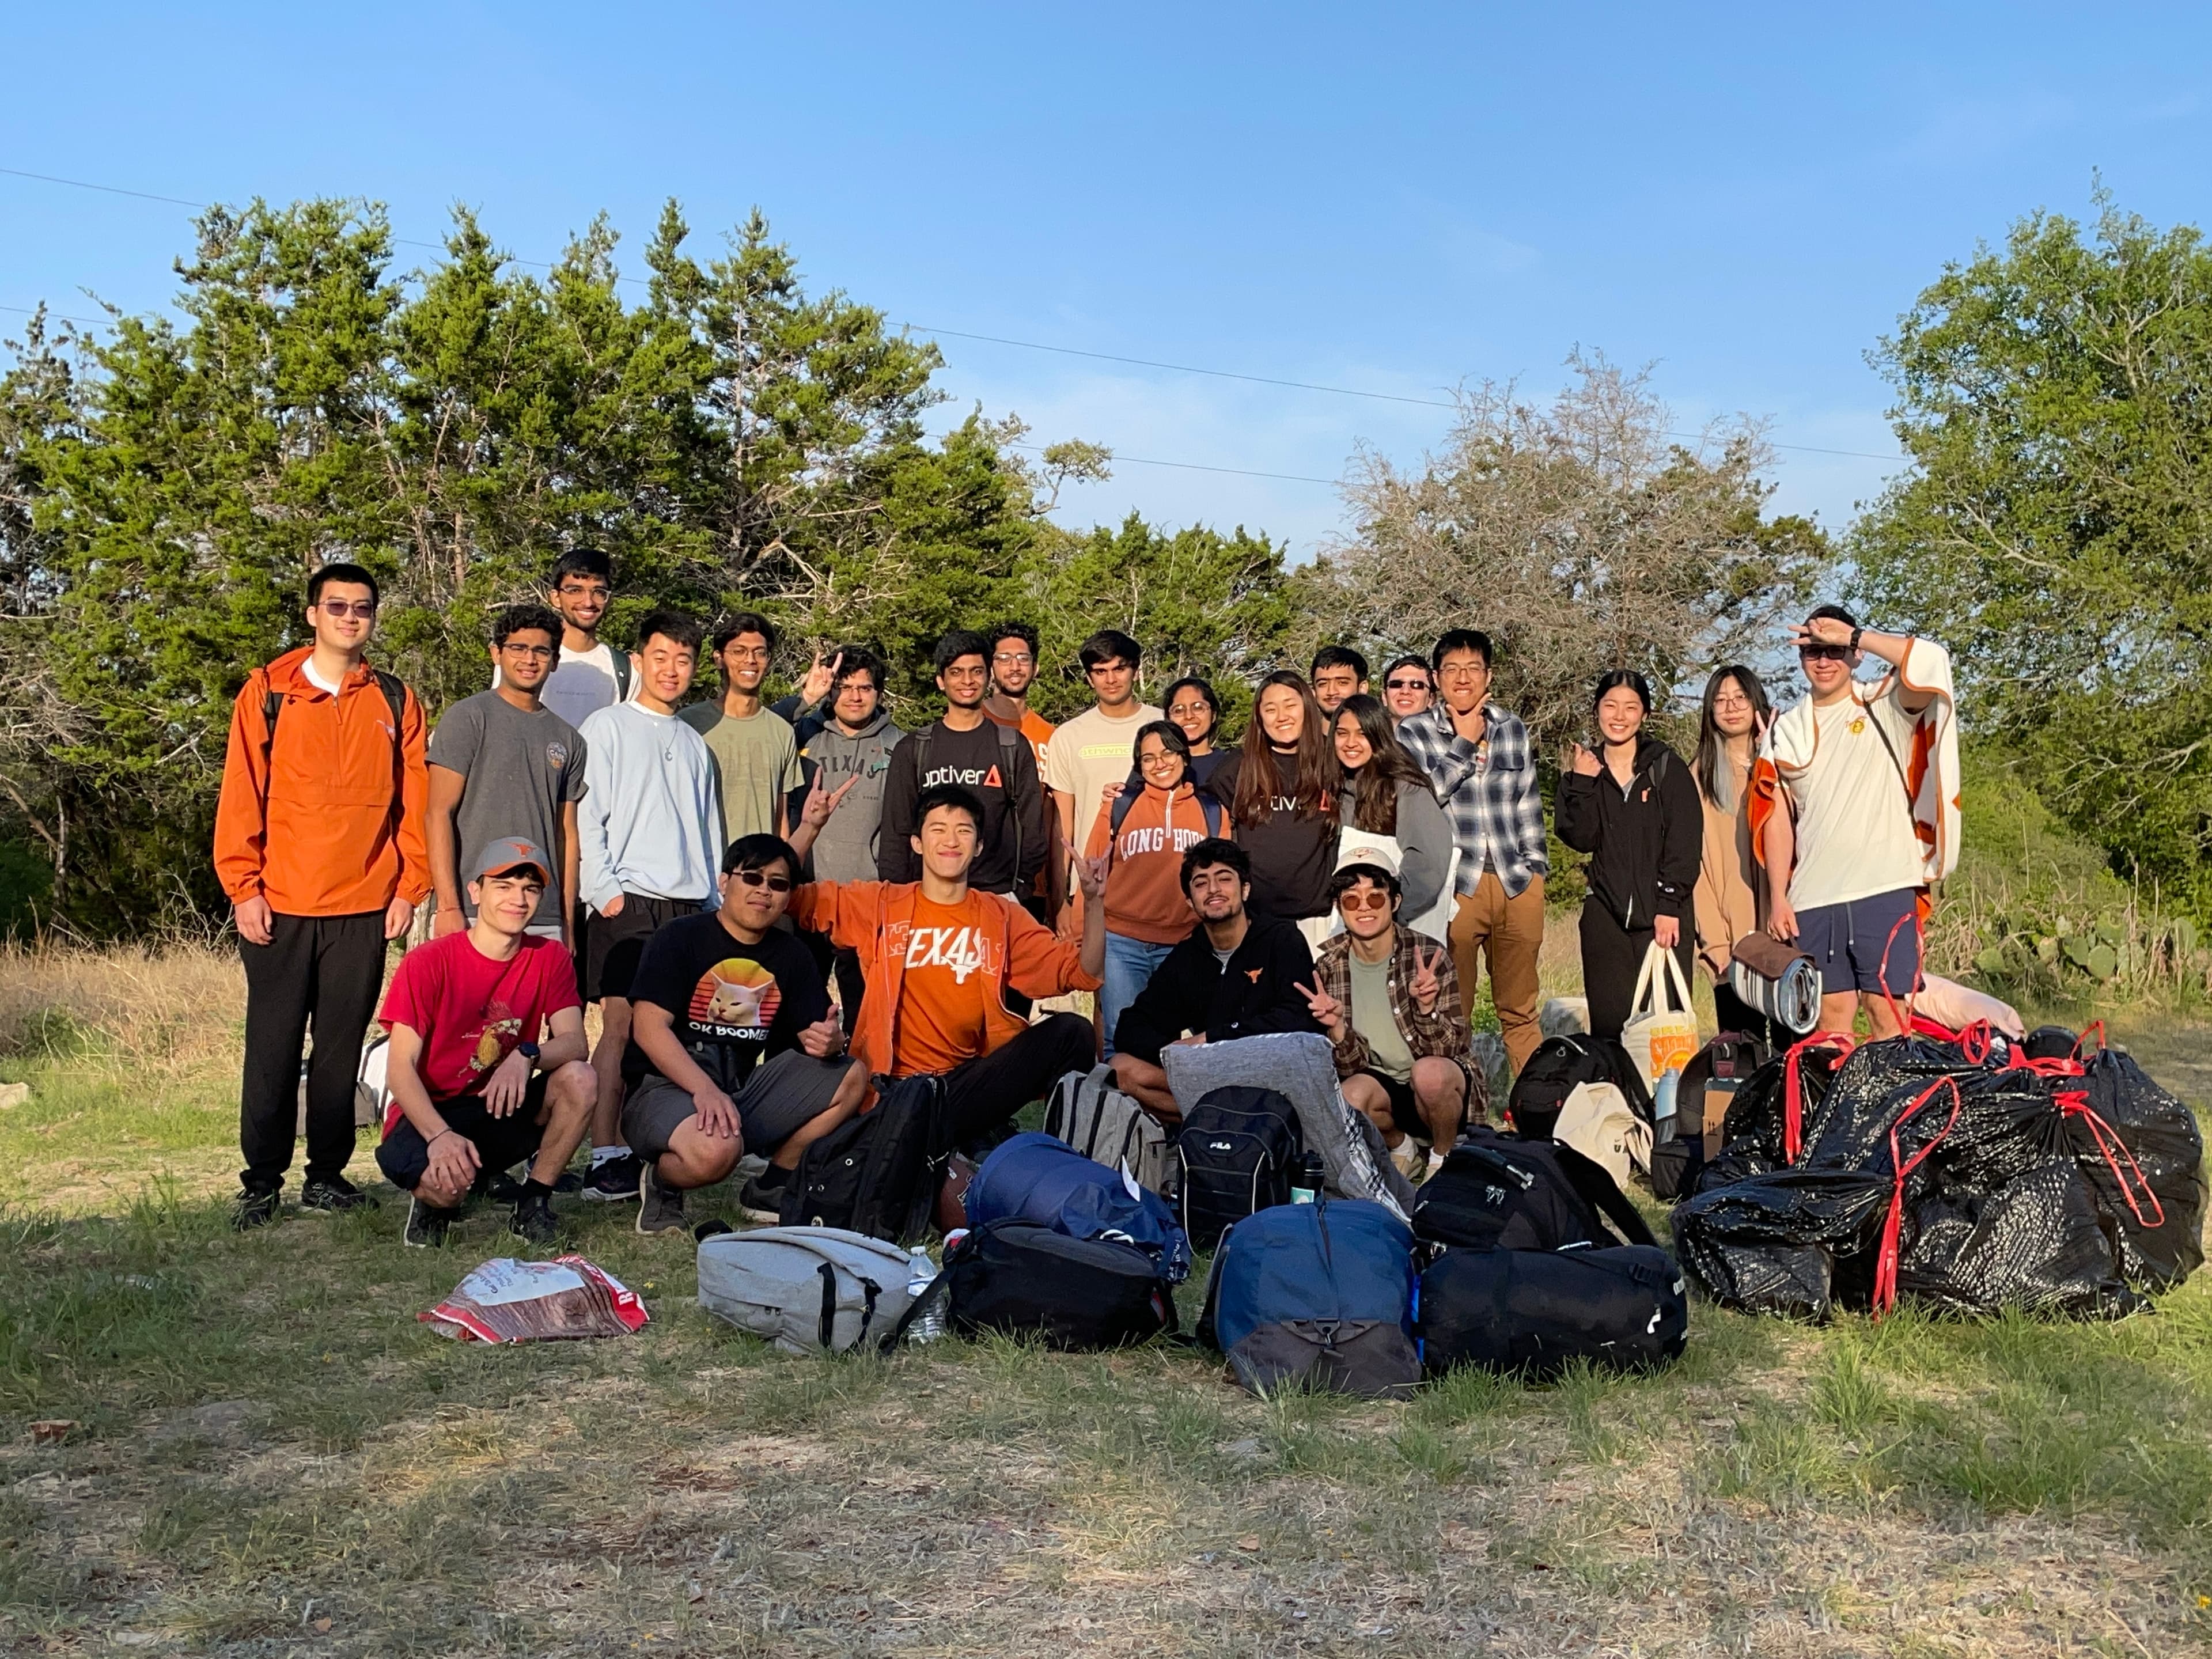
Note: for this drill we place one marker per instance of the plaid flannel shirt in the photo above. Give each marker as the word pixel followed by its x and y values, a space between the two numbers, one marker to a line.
pixel 1443 1034
pixel 1489 792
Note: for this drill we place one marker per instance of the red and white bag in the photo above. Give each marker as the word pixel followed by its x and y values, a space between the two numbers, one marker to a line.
pixel 509 1301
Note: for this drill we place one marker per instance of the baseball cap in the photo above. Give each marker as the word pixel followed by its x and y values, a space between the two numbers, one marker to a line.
pixel 509 852
pixel 1352 848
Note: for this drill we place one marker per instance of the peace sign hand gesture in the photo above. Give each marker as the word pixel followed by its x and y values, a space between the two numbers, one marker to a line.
pixel 816 683
pixel 1328 1012
pixel 1424 987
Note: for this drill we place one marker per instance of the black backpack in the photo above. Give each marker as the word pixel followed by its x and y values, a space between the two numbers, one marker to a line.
pixel 1238 1150
pixel 1025 1279
pixel 1535 1312
pixel 1559 1064
pixel 1495 1193
pixel 878 1173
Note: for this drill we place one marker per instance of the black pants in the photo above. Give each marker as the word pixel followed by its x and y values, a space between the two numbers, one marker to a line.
pixel 1735 1014
pixel 845 962
pixel 323 969
pixel 985 1093
pixel 1611 957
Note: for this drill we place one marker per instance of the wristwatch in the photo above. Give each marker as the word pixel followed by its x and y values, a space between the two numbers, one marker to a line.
pixel 529 1052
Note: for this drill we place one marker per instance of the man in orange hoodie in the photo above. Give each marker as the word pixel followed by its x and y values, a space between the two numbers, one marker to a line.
pixel 938 958
pixel 318 843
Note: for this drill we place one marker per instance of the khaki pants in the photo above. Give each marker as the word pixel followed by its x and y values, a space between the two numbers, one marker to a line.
pixel 1510 932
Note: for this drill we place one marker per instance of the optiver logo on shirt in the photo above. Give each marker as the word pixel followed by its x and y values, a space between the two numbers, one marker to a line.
pixel 975 777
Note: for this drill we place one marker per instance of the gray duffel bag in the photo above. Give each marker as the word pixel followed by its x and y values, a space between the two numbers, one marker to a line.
pixel 808 1290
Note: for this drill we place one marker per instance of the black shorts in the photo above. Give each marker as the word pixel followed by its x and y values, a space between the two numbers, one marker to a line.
pixel 613 944
pixel 500 1142
pixel 1405 1111
pixel 785 1093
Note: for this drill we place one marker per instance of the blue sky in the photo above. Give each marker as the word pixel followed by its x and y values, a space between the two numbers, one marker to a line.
pixel 1392 198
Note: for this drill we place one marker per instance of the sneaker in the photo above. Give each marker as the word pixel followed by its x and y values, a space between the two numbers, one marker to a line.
pixel 257 1207
pixel 335 1195
pixel 762 1199
pixel 660 1209
pixel 426 1224
pixel 1411 1158
pixel 535 1221
pixel 614 1181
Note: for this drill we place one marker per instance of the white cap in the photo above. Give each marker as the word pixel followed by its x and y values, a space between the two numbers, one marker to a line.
pixel 1354 847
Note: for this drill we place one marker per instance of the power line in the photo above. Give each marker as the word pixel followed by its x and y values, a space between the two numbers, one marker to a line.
pixel 998 339
pixel 1116 457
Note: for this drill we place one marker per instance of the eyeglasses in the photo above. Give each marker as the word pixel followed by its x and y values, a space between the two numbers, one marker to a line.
pixel 1187 711
pixel 1351 898
pixel 747 653
pixel 538 653
pixel 761 878
pixel 364 609
pixel 1404 685
pixel 1158 758
pixel 1011 657
pixel 1462 671
pixel 1824 653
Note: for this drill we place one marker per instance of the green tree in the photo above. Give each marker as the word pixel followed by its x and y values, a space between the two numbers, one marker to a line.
pixel 2056 530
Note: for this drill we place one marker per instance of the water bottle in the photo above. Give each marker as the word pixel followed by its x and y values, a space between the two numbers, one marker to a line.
pixel 1663 1097
pixel 1305 1185
pixel 921 1274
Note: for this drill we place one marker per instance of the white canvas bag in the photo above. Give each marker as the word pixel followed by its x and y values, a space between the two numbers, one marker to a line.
pixel 1662 1033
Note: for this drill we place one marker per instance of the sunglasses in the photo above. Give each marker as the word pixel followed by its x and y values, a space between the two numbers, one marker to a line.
pixel 1824 653
pixel 364 609
pixel 1351 898
pixel 1404 685
pixel 761 878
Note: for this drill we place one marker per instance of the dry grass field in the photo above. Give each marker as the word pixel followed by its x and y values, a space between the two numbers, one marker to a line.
pixel 268 1454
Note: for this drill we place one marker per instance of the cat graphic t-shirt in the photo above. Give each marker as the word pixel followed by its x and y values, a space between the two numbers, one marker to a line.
pixel 732 1003
pixel 471 1011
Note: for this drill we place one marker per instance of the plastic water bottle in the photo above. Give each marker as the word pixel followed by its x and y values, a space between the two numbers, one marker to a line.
pixel 921 1274
pixel 1662 1096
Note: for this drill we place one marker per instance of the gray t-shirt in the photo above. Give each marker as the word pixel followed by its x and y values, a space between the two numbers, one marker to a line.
pixel 517 769
pixel 758 761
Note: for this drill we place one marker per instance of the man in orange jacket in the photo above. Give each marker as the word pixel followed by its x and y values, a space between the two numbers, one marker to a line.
pixel 318 843
pixel 938 958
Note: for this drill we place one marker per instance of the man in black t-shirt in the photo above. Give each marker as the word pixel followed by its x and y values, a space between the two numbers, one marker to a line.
pixel 733 1045
pixel 993 762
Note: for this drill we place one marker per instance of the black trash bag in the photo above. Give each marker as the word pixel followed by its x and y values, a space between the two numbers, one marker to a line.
pixel 1771 1243
pixel 2035 1241
pixel 2158 1231
pixel 1847 1126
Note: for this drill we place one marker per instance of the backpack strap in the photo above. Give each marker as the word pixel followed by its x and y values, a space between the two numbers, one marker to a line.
pixel 1598 1190
pixel 1009 739
pixel 621 661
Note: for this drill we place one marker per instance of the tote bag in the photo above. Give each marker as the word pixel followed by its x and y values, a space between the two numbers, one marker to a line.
pixel 1662 1033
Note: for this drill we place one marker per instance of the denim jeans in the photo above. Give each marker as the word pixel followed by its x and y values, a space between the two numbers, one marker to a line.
pixel 1130 964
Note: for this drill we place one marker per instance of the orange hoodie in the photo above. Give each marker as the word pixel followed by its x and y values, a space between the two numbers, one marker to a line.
pixel 317 832
pixel 876 918
pixel 1144 898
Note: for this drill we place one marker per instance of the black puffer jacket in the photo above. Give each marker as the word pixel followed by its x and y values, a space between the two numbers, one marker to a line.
pixel 1645 841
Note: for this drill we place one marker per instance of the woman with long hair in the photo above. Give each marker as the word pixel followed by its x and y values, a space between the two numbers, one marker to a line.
pixel 1195 708
pixel 1161 817
pixel 1279 786
pixel 1731 722
pixel 1382 791
pixel 1632 806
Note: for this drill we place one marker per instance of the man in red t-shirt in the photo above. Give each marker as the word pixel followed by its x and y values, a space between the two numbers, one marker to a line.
pixel 475 1087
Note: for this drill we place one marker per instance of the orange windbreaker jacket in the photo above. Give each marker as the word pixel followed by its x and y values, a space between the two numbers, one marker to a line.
pixel 876 918
pixel 316 829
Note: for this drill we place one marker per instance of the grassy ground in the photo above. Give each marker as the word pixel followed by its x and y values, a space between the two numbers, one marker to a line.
pixel 270 1453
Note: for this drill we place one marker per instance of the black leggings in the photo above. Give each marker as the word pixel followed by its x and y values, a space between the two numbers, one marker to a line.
pixel 1611 957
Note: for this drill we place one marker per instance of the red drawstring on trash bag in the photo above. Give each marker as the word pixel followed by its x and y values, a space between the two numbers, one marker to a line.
pixel 1793 1085
pixel 1885 1269
pixel 2074 1103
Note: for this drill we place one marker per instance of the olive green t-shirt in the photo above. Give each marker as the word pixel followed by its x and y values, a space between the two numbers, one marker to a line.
pixel 756 760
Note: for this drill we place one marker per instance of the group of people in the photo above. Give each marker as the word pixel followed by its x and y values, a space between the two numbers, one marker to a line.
pixel 776 908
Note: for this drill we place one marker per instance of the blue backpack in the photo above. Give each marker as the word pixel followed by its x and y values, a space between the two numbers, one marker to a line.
pixel 1318 1296
pixel 1038 1178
